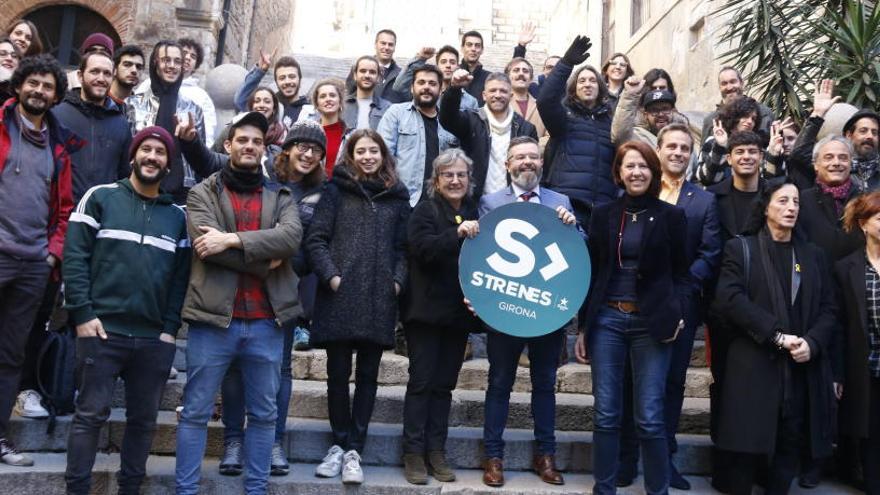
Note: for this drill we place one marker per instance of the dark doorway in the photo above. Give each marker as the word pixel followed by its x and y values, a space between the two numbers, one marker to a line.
pixel 63 28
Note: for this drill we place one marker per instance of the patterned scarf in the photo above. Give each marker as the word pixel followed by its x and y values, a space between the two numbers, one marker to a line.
pixel 838 193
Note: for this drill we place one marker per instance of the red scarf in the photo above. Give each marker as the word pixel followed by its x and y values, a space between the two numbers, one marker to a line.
pixel 838 193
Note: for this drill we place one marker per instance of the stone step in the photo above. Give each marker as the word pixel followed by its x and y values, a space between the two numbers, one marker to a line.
pixel 46 477
pixel 574 412
pixel 307 440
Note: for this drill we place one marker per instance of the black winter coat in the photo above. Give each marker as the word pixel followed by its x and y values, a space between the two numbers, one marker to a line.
pixel 434 295
pixel 820 224
pixel 472 130
pixel 849 274
pixel 580 162
pixel 752 388
pixel 358 232
pixel 104 158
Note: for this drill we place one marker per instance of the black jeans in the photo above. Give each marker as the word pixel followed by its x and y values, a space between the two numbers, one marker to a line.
pixel 435 357
pixel 22 283
pixel 349 418
pixel 144 365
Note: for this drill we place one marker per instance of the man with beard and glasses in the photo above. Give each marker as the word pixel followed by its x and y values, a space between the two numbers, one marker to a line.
pixel 126 268
pixel 364 106
pixel 128 64
pixel 157 101
pixel 485 134
pixel 9 60
pixel 861 130
pixel 521 73
pixel 446 59
pixel 287 75
pixel 524 165
pixel 241 298
pixel 35 203
pixel 641 115
pixel 413 134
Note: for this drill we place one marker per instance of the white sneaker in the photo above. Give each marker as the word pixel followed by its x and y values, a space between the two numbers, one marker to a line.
pixel 331 466
pixel 352 474
pixel 28 405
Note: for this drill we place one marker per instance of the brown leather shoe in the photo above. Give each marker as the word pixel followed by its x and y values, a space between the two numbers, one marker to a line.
pixel 545 466
pixel 493 472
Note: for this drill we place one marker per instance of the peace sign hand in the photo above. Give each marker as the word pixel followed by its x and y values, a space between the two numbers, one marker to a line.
pixel 186 131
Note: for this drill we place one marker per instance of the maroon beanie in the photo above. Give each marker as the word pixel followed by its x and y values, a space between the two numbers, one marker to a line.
pixel 154 132
pixel 97 39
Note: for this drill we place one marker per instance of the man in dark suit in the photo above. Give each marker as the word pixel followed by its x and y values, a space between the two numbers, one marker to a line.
pixel 703 249
pixel 524 166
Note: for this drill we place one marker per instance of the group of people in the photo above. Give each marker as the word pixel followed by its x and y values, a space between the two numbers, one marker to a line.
pixel 330 218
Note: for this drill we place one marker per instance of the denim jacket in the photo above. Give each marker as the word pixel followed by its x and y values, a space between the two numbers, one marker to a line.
pixel 403 130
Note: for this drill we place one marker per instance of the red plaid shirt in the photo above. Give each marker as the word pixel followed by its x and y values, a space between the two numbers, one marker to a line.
pixel 251 302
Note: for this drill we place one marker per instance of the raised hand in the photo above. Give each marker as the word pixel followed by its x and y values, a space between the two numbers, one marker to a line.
pixel 633 85
pixel 578 52
pixel 426 53
pixel 719 133
pixel 461 78
pixel 823 98
pixel 266 60
pixel 186 131
pixel 527 34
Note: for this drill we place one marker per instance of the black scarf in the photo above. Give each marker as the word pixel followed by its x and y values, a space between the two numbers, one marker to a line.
pixel 239 180
pixel 166 92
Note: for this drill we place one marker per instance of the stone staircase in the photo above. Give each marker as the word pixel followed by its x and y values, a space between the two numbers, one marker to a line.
pixel 308 436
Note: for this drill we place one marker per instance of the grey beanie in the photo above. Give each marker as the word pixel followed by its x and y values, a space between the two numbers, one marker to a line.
pixel 306 131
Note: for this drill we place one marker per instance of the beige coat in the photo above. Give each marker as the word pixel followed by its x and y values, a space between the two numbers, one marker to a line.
pixel 534 117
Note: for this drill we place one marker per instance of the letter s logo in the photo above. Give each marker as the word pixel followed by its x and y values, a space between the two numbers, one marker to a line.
pixel 525 257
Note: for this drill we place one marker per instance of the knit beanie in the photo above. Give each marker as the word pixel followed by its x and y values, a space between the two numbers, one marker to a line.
pixel 306 131
pixel 154 132
pixel 97 39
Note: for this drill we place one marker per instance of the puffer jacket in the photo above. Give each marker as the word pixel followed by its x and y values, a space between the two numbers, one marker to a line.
pixel 104 158
pixel 358 233
pixel 580 165
pixel 213 283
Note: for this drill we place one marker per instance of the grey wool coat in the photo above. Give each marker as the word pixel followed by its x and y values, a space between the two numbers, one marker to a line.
pixel 358 232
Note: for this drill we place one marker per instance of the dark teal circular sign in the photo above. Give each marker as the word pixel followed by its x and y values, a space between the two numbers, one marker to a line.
pixel 526 273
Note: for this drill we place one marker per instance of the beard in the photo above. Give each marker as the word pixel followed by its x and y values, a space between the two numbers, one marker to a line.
pixel 527 180
pixel 94 94
pixel 34 109
pixel 426 103
pixel 145 179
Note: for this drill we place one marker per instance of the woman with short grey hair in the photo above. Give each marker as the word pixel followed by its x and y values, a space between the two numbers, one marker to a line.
pixel 436 321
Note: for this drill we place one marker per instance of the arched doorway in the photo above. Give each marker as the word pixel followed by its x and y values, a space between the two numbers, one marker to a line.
pixel 63 28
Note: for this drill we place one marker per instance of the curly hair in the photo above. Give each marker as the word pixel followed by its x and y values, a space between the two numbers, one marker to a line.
pixel 41 64
pixel 284 170
pixel 386 173
pixel 196 47
pixel 731 113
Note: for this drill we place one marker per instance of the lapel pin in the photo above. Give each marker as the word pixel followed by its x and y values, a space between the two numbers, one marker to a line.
pixel 651 219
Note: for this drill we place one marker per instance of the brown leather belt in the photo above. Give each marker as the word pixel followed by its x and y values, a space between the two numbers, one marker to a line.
pixel 624 306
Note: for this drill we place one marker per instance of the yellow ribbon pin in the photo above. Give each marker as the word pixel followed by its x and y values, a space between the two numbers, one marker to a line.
pixel 458 219
pixel 797 267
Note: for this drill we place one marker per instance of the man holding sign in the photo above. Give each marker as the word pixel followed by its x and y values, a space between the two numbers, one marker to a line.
pixel 524 166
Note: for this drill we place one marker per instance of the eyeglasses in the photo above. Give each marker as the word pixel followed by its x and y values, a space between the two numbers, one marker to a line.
pixel 171 61
pixel 453 175
pixel 659 111
pixel 306 147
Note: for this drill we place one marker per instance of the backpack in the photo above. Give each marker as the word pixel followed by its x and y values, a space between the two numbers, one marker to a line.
pixel 56 373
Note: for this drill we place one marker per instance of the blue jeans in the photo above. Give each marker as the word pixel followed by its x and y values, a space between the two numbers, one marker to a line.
pixel 256 345
pixel 233 397
pixel 504 351
pixel 616 336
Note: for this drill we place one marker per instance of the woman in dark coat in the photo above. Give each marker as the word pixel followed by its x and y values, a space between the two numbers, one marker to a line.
pixel 859 295
pixel 435 319
pixel 775 292
pixel 638 294
pixel 356 246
